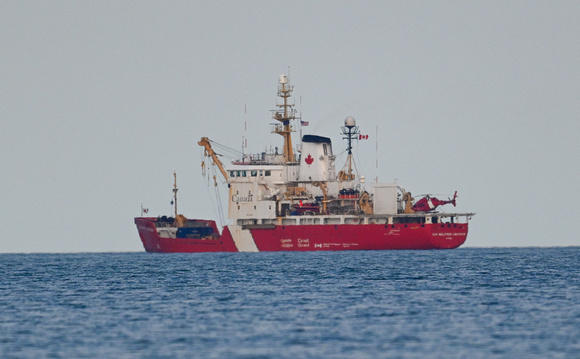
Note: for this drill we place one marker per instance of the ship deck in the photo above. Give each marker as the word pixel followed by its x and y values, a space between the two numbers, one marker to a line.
pixel 359 219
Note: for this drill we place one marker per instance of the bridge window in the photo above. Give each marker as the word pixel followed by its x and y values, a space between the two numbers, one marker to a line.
pixel 254 173
pixel 232 173
pixel 268 173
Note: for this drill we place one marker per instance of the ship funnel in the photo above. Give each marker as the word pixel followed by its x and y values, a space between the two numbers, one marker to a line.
pixel 349 122
pixel 316 159
pixel 283 79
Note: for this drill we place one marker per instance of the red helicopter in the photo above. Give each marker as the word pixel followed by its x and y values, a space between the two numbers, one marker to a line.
pixel 428 204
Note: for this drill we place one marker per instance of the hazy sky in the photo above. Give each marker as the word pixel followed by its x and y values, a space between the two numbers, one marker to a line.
pixel 102 100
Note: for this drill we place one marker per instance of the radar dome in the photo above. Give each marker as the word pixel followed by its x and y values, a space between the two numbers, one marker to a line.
pixel 349 122
pixel 283 79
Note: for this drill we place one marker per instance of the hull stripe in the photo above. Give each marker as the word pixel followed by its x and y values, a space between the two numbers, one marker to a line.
pixel 243 239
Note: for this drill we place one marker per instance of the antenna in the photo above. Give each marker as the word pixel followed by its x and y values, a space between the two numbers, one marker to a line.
pixel 377 154
pixel 300 119
pixel 244 137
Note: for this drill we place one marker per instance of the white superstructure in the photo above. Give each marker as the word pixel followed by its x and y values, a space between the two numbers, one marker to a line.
pixel 304 187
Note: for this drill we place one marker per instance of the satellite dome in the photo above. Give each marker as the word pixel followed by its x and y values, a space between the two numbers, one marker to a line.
pixel 349 122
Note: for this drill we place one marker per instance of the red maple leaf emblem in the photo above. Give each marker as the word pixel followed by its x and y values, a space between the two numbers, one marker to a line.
pixel 309 160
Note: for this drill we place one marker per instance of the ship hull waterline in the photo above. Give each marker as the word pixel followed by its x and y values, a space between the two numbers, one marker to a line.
pixel 316 237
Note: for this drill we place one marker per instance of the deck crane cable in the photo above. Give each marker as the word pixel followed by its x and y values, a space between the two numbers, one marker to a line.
pixel 216 196
pixel 217 192
pixel 227 152
pixel 209 151
pixel 216 205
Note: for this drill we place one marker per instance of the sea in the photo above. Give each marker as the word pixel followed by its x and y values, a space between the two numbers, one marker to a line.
pixel 461 303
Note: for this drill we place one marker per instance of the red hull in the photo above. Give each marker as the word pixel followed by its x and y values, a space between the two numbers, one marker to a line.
pixel 314 238
pixel 152 242
pixel 360 237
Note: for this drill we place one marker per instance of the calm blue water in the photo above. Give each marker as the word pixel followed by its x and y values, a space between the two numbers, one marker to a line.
pixel 464 303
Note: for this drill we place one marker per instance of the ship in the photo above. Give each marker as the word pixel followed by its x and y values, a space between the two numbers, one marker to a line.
pixel 297 199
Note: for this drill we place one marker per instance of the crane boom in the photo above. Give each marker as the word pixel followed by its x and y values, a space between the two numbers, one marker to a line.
pixel 209 152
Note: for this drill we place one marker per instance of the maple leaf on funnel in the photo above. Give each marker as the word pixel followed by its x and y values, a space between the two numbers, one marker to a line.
pixel 309 160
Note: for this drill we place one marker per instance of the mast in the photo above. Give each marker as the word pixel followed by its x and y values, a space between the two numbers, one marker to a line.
pixel 175 193
pixel 284 115
pixel 350 131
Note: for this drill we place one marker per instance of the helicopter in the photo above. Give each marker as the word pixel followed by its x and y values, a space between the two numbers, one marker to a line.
pixel 428 204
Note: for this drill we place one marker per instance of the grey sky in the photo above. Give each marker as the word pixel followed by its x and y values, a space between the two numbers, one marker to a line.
pixel 101 100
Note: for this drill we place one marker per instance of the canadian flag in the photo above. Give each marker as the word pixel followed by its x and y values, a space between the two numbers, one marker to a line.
pixel 363 137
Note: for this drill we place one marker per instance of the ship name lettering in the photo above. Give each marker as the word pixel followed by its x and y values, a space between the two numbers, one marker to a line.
pixel 237 198
pixel 450 234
